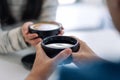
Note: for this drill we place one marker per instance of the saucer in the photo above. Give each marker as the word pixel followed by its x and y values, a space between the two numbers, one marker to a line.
pixel 28 61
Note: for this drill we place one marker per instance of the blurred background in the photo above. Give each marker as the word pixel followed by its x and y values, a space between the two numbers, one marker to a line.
pixel 90 21
pixel 82 14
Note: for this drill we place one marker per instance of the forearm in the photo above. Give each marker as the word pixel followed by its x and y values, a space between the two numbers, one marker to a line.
pixel 41 73
pixel 114 8
pixel 34 77
pixel 11 41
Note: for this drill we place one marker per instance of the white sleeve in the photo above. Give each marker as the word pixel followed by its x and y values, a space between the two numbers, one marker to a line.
pixel 49 10
pixel 11 41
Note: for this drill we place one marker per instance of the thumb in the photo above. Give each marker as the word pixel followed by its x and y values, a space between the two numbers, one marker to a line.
pixel 26 25
pixel 62 56
pixel 40 51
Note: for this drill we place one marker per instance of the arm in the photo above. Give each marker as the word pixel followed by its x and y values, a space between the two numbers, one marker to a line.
pixel 17 39
pixel 11 41
pixel 114 8
pixel 44 66
pixel 49 10
pixel 85 54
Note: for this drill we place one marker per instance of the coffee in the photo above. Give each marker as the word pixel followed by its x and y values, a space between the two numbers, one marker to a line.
pixel 53 45
pixel 59 45
pixel 44 27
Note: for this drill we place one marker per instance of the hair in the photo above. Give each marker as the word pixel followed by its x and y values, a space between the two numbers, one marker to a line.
pixel 32 11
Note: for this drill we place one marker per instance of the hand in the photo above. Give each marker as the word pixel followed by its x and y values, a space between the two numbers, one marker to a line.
pixel 32 38
pixel 28 37
pixel 84 54
pixel 44 66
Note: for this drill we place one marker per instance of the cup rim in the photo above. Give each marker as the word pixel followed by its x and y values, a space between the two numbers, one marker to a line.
pixel 74 45
pixel 46 22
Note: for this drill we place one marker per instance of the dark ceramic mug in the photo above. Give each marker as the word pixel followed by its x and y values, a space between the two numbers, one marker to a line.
pixel 46 29
pixel 54 44
pixel 43 29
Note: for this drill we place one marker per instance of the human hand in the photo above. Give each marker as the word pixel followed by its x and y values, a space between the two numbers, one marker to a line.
pixel 44 66
pixel 33 39
pixel 85 54
pixel 28 37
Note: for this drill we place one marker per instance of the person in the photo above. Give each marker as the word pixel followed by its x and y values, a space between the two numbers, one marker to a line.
pixel 91 66
pixel 49 64
pixel 15 13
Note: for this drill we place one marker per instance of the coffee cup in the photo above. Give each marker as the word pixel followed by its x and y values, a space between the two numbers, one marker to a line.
pixel 54 44
pixel 45 29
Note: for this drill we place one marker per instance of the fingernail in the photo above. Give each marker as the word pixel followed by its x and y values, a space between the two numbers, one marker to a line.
pixel 67 54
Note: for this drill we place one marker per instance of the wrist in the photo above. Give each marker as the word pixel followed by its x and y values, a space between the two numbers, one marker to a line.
pixel 35 76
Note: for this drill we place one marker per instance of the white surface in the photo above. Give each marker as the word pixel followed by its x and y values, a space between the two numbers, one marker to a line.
pixel 11 67
pixel 80 16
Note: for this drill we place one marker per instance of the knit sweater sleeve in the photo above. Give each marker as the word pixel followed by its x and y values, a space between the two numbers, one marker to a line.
pixel 11 41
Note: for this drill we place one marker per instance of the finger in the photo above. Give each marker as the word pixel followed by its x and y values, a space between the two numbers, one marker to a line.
pixel 62 56
pixel 25 26
pixel 62 28
pixel 61 33
pixel 31 36
pixel 39 53
pixel 75 54
pixel 34 42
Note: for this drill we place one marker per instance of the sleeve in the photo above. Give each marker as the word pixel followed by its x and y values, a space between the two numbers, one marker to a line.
pixel 49 10
pixel 11 41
